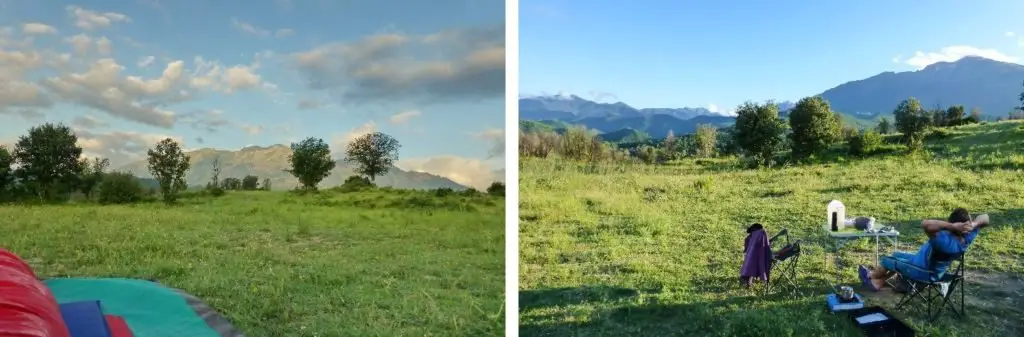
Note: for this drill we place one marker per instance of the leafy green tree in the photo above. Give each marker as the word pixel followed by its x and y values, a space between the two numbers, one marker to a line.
pixel 47 160
pixel 497 189
pixel 758 130
pixel 266 184
pixel 231 184
pixel 374 154
pixel 955 115
pixel 884 126
pixel 119 188
pixel 865 143
pixel 311 162
pixel 168 164
pixel 975 116
pixel 814 127
pixel 705 140
pixel 250 182
pixel 912 121
pixel 1021 99
pixel 6 172
pixel 92 173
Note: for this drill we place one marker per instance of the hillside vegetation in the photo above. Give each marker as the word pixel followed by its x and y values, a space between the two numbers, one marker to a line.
pixel 348 260
pixel 656 250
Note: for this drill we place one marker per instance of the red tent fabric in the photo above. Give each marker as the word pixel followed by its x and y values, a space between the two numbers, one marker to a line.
pixel 27 308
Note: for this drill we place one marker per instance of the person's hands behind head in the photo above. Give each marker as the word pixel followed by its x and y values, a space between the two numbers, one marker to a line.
pixel 966 227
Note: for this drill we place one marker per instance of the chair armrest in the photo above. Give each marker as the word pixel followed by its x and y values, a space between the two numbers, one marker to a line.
pixel 930 273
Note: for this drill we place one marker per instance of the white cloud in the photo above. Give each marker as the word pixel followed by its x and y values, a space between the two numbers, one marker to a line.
pixel 1009 34
pixel 215 76
pixel 713 108
pixel 252 129
pixel 249 28
pixel 470 172
pixel 120 147
pixel 89 20
pixel 467 64
pixel 146 61
pixel 497 139
pixel 252 29
pixel 403 117
pixel 284 32
pixel 953 53
pixel 35 28
pixel 340 142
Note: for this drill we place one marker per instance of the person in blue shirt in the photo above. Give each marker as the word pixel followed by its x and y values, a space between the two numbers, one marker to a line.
pixel 946 239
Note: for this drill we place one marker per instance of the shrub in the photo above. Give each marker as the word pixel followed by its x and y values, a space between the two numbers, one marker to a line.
pixel 865 143
pixel 497 189
pixel 119 188
pixel 443 192
pixel 356 183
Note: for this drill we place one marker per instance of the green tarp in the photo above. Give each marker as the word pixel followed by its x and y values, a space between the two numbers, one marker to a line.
pixel 149 308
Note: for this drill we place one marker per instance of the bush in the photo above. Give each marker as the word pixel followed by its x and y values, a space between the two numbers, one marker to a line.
pixel 119 188
pixel 702 184
pixel 356 183
pixel 497 189
pixel 865 143
pixel 443 192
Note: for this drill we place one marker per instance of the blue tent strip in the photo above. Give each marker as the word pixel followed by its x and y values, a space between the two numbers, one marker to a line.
pixel 150 309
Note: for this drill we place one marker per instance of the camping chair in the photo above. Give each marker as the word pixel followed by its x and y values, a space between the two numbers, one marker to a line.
pixel 928 290
pixel 784 260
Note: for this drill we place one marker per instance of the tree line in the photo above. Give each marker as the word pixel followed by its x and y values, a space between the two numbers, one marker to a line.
pixel 47 165
pixel 758 134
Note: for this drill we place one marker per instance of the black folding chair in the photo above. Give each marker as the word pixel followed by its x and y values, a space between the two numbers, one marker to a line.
pixel 927 292
pixel 784 261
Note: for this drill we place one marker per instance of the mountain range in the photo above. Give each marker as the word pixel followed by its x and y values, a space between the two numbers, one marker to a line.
pixel 272 161
pixel 992 86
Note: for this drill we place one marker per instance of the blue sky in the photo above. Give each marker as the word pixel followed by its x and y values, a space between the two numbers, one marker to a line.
pixel 670 54
pixel 228 74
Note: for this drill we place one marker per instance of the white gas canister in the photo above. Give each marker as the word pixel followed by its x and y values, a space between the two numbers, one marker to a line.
pixel 836 215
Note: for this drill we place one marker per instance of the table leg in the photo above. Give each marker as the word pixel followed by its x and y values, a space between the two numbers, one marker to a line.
pixel 876 250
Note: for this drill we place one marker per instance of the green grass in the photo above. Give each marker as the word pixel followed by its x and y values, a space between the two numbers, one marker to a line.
pixel 369 263
pixel 631 250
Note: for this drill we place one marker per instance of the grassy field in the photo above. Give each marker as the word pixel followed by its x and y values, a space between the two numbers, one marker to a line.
pixel 370 263
pixel 624 250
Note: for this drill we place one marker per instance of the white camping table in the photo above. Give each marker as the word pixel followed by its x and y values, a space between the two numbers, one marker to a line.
pixel 841 238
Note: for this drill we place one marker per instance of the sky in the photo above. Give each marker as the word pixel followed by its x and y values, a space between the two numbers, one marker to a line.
pixel 229 74
pixel 718 54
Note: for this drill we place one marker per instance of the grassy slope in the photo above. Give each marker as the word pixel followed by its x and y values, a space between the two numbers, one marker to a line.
pixel 651 254
pixel 376 263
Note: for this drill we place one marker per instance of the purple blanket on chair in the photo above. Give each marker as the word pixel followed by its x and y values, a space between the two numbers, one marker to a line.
pixel 758 258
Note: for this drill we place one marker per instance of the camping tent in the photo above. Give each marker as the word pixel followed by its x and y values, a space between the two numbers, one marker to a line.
pixel 53 307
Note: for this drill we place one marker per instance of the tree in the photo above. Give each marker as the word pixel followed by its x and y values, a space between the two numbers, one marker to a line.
pixel 911 120
pixel 92 173
pixel 814 127
pixel 6 171
pixel 266 184
pixel 884 126
pixel 231 184
pixel 374 153
pixel 168 164
pixel 250 182
pixel 311 162
pixel 955 115
pixel 47 160
pixel 705 140
pixel 1021 99
pixel 669 143
pixel 975 116
pixel 758 130
pixel 497 189
pixel 119 188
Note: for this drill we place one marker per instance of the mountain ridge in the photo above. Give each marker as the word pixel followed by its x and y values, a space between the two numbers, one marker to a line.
pixel 272 161
pixel 973 81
